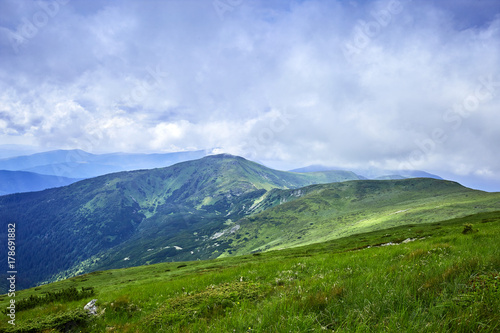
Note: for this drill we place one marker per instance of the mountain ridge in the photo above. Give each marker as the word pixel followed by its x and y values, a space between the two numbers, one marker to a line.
pixel 373 173
pixel 73 223
pixel 77 163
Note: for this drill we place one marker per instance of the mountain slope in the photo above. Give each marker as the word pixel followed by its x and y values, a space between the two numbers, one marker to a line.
pixel 22 181
pixel 296 217
pixel 59 228
pixel 323 212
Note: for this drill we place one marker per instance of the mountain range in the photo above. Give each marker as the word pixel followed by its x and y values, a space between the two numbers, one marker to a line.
pixel 23 181
pixel 373 173
pixel 71 224
pixel 219 205
pixel 80 164
pixel 56 168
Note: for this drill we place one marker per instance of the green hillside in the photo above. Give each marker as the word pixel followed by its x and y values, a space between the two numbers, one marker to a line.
pixel 88 221
pixel 323 212
pixel 303 216
pixel 437 277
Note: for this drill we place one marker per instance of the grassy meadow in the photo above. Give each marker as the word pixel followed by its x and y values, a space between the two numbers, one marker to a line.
pixel 437 277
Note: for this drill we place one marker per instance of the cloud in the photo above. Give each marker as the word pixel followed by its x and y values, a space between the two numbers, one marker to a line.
pixel 387 83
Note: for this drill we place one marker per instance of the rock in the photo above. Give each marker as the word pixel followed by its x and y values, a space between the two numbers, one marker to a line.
pixel 91 308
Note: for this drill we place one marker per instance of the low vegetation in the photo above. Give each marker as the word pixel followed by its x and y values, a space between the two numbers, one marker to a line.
pixel 416 278
pixel 64 295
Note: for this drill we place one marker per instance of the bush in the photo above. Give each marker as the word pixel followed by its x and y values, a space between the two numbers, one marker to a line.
pixel 68 294
pixel 64 322
pixel 467 229
pixel 211 302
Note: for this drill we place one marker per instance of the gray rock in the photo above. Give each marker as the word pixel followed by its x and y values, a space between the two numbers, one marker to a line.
pixel 91 308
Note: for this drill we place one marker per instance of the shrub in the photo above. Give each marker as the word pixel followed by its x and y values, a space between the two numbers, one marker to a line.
pixel 211 302
pixel 65 322
pixel 68 294
pixel 467 229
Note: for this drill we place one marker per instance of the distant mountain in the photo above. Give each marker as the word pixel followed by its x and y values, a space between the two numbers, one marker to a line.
pixel 391 174
pixel 374 173
pixel 80 164
pixel 391 177
pixel 415 174
pixel 129 212
pixel 22 181
pixel 12 150
pixel 313 168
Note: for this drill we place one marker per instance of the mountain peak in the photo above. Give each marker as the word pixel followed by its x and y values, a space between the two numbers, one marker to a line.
pixel 223 155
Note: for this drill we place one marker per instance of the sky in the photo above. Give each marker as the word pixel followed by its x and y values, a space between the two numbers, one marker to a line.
pixel 391 84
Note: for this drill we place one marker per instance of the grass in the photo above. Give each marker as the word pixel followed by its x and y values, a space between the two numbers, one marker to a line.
pixel 415 278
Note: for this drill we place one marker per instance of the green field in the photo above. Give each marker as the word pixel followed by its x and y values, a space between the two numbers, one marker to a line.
pixel 427 277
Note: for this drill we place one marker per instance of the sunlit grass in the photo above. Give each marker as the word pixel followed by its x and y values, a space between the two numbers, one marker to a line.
pixel 439 280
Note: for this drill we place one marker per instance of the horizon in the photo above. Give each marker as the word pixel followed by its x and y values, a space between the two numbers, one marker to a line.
pixel 217 151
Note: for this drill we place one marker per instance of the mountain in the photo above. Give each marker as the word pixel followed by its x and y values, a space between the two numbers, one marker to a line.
pixel 313 168
pixel 62 227
pixel 374 173
pixel 413 174
pixel 80 164
pixel 46 158
pixel 22 181
pixel 220 205
pixel 388 177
